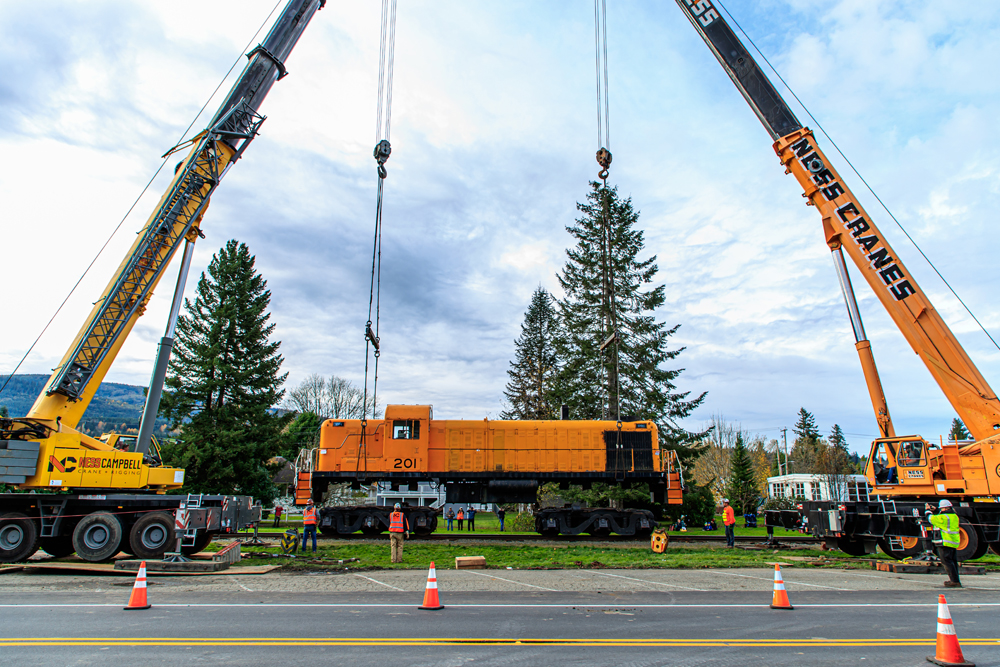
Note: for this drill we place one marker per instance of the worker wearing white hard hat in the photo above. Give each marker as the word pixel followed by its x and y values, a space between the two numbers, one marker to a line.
pixel 946 538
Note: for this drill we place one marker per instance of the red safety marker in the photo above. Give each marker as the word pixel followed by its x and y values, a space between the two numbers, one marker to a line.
pixel 948 651
pixel 780 598
pixel 431 592
pixel 138 598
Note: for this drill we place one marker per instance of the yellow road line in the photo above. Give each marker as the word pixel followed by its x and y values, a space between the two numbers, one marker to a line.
pixel 486 641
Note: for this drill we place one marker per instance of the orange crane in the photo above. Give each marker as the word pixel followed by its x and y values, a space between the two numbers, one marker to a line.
pixel 905 471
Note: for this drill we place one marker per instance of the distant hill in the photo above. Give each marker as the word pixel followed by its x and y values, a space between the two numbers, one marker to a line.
pixel 115 407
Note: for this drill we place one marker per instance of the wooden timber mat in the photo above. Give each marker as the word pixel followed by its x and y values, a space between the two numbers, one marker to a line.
pixel 109 568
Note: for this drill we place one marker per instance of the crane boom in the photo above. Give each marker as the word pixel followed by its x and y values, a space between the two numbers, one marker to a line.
pixel 848 228
pixel 75 381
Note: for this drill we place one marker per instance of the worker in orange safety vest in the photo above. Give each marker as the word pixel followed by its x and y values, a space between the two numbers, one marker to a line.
pixel 398 528
pixel 309 524
pixel 729 518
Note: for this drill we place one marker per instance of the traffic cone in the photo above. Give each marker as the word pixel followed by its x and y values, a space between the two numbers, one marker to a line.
pixel 138 598
pixel 431 592
pixel 780 599
pixel 948 651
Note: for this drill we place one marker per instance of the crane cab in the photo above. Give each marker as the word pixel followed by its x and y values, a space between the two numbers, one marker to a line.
pixel 912 466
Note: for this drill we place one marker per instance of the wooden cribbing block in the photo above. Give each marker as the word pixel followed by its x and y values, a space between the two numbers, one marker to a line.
pixel 470 562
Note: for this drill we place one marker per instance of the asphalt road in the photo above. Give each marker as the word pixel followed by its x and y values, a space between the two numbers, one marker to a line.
pixel 638 618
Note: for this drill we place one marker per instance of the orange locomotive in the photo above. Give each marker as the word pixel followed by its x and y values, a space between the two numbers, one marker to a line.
pixel 488 462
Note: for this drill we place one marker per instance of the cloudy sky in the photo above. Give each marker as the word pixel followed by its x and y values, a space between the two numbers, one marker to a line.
pixel 493 135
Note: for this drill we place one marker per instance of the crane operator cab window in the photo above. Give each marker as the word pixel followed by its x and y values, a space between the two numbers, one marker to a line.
pixel 911 454
pixel 884 463
pixel 406 429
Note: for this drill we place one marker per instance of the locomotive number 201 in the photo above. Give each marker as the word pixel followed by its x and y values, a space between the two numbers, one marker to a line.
pixel 405 463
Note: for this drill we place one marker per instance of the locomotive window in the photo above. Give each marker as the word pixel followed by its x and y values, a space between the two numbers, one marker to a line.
pixel 406 429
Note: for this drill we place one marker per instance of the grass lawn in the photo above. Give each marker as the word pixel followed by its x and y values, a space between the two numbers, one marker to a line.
pixel 373 554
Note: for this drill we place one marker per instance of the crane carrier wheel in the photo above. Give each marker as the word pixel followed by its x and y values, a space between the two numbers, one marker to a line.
pixel 98 537
pixel 152 535
pixel 18 537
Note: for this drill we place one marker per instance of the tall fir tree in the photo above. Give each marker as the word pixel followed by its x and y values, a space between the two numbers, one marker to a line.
pixel 958 430
pixel 608 287
pixel 225 377
pixel 741 487
pixel 532 373
pixel 837 438
pixel 805 426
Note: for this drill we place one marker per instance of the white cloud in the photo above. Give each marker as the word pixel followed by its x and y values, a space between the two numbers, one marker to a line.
pixel 493 143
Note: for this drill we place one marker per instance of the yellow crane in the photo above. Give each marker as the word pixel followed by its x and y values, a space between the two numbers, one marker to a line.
pixel 89 514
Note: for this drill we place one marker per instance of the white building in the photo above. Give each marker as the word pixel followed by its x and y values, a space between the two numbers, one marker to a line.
pixel 817 487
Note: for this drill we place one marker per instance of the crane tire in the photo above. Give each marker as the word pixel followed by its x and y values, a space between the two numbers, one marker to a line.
pixel 151 535
pixel 199 545
pixel 98 537
pixel 851 547
pixel 18 537
pixel 57 547
pixel 969 541
pixel 911 547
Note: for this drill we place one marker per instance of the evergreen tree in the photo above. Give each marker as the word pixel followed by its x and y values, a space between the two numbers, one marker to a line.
pixel 607 288
pixel 4 413
pixel 225 377
pixel 533 370
pixel 302 433
pixel 741 487
pixel 837 438
pixel 805 426
pixel 958 430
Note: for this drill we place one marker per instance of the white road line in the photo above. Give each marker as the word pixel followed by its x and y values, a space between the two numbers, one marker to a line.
pixel 573 605
pixel 646 581
pixel 511 581
pixel 376 581
pixel 794 583
pixel 919 581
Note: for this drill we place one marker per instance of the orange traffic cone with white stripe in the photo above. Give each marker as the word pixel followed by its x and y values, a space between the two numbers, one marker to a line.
pixel 138 598
pixel 431 592
pixel 780 599
pixel 948 651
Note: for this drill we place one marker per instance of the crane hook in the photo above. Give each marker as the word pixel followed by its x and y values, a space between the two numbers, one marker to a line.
pixel 604 159
pixel 382 151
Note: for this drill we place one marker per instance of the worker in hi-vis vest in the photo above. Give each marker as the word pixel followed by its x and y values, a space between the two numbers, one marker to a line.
pixel 398 528
pixel 309 524
pixel 946 538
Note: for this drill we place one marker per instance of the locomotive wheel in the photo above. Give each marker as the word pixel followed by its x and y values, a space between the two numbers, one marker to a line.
pixel 97 537
pixel 18 537
pixel 152 535
pixel 57 547
pixel 995 548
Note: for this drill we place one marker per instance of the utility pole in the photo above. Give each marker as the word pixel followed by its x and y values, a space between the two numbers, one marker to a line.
pixel 784 436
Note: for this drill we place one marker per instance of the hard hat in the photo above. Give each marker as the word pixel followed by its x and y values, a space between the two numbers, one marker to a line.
pixel 396 506
pixel 309 502
pixel 944 503
pixel 725 500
